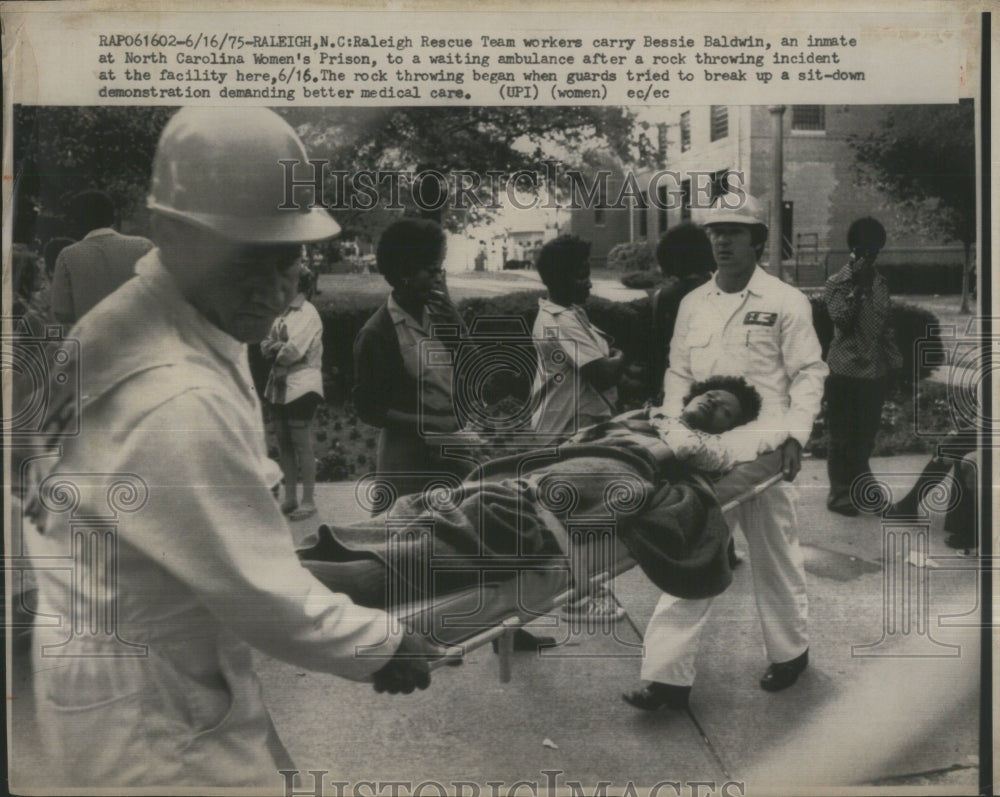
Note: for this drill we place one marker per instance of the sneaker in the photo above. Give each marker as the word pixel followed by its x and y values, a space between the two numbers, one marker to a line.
pixel 303 512
pixel 601 606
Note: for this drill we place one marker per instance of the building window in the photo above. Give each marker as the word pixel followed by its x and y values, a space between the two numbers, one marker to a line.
pixel 644 215
pixel 719 122
pixel 685 200
pixel 661 209
pixel 808 117
pixel 685 131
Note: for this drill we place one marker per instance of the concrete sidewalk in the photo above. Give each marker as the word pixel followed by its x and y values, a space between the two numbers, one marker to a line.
pixel 883 682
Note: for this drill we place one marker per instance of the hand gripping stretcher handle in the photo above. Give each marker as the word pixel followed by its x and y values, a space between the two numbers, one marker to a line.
pixel 504 630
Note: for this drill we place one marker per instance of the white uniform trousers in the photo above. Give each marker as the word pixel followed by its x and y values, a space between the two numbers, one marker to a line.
pixel 779 581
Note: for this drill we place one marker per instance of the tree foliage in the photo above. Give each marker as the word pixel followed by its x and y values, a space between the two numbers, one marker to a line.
pixel 61 150
pixel 502 140
pixel 926 156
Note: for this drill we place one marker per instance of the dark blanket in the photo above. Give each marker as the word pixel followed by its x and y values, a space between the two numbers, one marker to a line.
pixel 529 512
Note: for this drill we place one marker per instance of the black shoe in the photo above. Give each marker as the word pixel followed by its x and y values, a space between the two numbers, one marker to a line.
pixel 960 542
pixel 657 695
pixel 843 507
pixel 784 674
pixel 523 641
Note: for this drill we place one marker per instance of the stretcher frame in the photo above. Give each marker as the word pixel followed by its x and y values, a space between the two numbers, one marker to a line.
pixel 505 628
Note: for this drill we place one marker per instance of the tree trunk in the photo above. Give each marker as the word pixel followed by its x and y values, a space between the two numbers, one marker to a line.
pixel 966 273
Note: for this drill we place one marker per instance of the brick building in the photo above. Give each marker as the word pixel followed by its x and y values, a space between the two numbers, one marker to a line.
pixel 708 146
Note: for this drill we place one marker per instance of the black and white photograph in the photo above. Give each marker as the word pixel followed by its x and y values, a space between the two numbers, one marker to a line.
pixel 432 403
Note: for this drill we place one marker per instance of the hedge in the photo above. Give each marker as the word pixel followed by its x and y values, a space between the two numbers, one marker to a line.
pixel 643 280
pixel 941 278
pixel 631 257
pixel 628 324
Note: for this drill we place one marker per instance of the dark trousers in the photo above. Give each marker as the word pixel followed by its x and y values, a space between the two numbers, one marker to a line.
pixel 853 412
pixel 960 518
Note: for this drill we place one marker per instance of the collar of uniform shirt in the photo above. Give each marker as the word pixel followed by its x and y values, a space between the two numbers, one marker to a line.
pixel 161 281
pixel 753 286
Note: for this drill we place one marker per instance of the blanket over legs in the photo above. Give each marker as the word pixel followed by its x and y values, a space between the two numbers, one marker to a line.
pixel 529 511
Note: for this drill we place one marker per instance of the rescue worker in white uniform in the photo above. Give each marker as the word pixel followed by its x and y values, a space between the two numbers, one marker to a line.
pixel 162 502
pixel 744 321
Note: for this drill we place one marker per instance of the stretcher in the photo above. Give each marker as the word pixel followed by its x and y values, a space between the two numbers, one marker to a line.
pixel 506 600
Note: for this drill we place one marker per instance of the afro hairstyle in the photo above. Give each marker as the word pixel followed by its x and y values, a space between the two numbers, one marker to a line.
pixel 408 246
pixel 866 236
pixel 685 250
pixel 560 257
pixel 745 393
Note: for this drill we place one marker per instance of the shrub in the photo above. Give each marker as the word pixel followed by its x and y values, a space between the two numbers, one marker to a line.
pixel 343 316
pixel 918 340
pixel 521 304
pixel 332 467
pixel 642 279
pixel 898 421
pixel 632 257
pixel 940 278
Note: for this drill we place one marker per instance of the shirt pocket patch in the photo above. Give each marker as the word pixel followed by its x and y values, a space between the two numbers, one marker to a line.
pixel 763 349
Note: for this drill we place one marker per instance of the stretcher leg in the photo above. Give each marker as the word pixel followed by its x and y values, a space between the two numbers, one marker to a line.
pixel 505 651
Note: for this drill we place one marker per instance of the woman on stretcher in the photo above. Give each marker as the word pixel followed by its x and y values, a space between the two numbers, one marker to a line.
pixel 637 475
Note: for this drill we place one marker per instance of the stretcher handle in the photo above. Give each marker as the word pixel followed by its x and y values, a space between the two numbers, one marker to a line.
pixel 753 492
pixel 510 624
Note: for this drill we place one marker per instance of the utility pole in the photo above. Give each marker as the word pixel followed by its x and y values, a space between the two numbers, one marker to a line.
pixel 776 234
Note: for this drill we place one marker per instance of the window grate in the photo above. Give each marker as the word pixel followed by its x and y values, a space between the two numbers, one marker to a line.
pixel 808 117
pixel 719 122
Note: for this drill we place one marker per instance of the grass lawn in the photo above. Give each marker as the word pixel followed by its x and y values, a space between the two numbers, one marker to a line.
pixel 461 284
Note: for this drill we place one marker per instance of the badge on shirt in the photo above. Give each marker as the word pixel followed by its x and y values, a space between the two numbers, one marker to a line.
pixel 760 319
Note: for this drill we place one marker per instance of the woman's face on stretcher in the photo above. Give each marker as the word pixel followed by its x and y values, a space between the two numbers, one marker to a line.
pixel 715 411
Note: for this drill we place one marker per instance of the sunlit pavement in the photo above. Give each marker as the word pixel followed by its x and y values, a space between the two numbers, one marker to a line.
pixel 563 711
